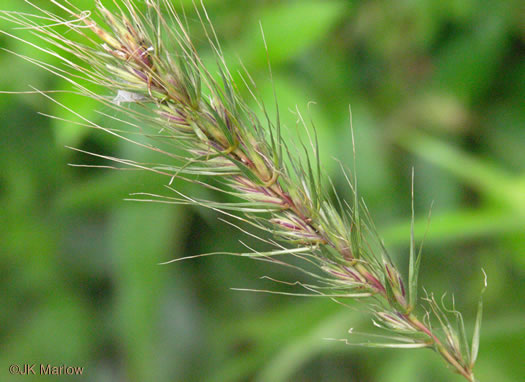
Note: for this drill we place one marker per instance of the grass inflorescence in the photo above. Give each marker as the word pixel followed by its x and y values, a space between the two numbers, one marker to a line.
pixel 208 134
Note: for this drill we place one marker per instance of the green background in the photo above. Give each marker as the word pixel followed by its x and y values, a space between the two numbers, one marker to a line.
pixel 436 85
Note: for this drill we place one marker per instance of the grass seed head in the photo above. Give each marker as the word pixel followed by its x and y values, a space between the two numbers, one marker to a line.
pixel 149 64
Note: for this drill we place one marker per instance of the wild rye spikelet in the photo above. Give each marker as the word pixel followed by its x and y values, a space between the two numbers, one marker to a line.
pixel 146 58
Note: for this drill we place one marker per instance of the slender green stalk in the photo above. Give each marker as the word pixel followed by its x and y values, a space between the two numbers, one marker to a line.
pixel 145 57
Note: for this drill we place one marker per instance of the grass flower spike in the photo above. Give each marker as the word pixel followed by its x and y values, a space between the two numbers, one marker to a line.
pixel 144 57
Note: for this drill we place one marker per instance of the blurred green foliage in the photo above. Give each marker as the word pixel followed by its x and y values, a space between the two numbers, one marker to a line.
pixel 437 85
